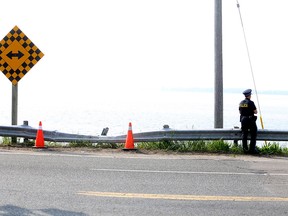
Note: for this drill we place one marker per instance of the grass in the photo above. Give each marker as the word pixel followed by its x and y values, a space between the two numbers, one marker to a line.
pixel 196 146
pixel 216 146
pixel 274 149
pixel 6 141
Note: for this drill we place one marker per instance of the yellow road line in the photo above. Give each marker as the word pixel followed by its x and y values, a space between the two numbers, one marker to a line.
pixel 183 197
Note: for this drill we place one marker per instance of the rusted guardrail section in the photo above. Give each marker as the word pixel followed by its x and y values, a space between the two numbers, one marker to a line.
pixel 165 134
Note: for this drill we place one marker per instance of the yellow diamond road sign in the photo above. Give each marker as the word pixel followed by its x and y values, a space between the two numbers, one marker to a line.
pixel 17 55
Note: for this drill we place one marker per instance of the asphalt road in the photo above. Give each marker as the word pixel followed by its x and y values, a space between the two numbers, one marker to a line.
pixel 48 182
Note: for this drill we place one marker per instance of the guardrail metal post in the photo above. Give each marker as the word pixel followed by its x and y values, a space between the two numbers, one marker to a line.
pixel 25 123
pixel 236 141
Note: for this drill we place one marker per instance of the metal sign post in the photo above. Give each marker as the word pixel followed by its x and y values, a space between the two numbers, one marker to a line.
pixel 14 104
pixel 17 56
pixel 14 113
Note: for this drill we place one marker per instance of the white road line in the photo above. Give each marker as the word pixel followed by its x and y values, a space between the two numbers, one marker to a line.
pixel 190 172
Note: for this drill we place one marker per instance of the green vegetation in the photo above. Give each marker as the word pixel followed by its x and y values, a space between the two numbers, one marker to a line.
pixel 217 146
pixel 6 141
pixel 196 146
pixel 274 149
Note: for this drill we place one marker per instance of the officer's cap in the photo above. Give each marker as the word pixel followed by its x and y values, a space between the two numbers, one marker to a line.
pixel 247 92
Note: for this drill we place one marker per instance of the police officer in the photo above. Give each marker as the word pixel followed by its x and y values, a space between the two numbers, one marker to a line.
pixel 248 119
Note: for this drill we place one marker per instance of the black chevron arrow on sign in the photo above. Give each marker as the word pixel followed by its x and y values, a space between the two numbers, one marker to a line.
pixel 11 55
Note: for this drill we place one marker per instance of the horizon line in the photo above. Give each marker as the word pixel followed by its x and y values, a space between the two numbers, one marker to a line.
pixel 225 90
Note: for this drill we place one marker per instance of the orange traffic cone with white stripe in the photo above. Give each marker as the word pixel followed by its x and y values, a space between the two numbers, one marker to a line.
pixel 39 142
pixel 129 144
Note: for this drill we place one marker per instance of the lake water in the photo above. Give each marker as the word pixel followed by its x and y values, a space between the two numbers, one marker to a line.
pixel 179 110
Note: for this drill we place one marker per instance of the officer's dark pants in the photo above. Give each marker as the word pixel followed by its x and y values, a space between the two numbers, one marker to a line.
pixel 248 125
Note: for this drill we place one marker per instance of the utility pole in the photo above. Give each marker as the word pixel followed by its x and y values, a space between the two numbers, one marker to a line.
pixel 218 82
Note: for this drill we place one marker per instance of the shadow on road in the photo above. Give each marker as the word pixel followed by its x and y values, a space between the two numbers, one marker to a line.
pixel 15 210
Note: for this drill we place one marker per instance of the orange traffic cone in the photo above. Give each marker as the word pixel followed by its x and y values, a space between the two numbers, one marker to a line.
pixel 129 144
pixel 39 142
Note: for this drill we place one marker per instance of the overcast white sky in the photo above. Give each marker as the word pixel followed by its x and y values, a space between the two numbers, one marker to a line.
pixel 115 48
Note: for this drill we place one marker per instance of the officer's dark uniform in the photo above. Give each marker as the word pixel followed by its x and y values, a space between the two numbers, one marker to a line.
pixel 248 122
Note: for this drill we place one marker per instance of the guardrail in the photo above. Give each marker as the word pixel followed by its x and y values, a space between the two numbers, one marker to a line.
pixel 165 134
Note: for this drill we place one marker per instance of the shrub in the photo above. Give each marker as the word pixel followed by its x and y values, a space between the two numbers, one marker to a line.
pixel 271 148
pixel 218 146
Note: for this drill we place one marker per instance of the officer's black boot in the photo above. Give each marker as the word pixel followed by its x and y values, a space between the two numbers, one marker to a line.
pixel 244 142
pixel 253 149
pixel 245 148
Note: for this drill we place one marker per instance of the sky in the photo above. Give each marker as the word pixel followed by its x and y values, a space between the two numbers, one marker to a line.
pixel 99 51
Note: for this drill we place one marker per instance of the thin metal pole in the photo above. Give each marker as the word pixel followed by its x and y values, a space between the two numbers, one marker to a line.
pixel 250 63
pixel 14 104
pixel 218 85
pixel 14 108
